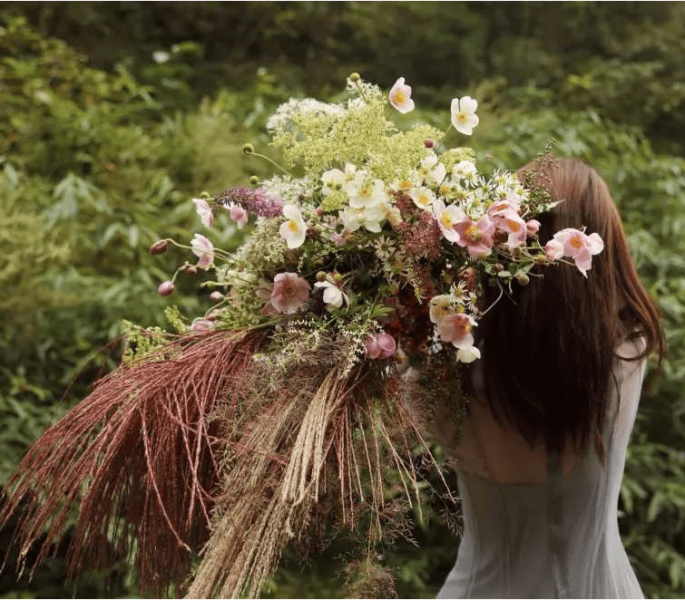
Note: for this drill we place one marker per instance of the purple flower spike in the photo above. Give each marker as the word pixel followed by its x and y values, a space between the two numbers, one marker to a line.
pixel 254 201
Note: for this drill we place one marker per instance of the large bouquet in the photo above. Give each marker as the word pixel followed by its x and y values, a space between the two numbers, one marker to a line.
pixel 280 413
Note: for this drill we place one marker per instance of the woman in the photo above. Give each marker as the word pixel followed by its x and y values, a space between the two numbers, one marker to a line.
pixel 554 399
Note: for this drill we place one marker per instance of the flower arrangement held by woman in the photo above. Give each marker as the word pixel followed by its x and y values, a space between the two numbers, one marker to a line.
pixel 288 406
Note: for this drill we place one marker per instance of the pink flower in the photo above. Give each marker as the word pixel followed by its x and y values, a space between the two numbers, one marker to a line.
pixel 381 346
pixel 238 214
pixel 456 328
pixel 476 237
pixel 514 225
pixel 165 288
pixel 400 96
pixel 532 226
pixel 200 325
pixel 290 292
pixel 205 212
pixel 203 249
pixel 554 249
pixel 580 247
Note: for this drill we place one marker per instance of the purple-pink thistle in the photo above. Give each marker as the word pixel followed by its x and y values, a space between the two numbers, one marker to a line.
pixel 254 201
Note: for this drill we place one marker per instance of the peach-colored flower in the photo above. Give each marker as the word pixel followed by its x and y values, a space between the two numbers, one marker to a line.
pixel 400 96
pixel 580 247
pixel 456 328
pixel 290 292
pixel 476 237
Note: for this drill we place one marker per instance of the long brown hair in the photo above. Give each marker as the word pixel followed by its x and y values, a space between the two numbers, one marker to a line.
pixel 549 349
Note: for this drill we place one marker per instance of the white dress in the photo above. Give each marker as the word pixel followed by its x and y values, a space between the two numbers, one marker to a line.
pixel 545 527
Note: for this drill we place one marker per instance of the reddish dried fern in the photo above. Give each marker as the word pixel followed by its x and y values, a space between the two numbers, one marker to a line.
pixel 141 455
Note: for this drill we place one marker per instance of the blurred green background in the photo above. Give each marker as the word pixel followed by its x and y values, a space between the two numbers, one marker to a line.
pixel 113 115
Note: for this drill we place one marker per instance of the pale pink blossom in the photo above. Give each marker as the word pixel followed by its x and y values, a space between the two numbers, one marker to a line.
pixel 554 249
pixel 238 214
pixel 400 96
pixel 510 222
pixel 205 212
pixel 580 247
pixel 201 325
pixel 456 328
pixel 532 226
pixel 380 346
pixel 203 249
pixel 289 293
pixel 476 237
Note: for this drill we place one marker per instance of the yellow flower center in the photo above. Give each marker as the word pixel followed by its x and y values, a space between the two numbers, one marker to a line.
pixel 405 185
pixel 400 97
pixel 365 192
pixel 446 220
pixel 576 242
pixel 445 189
pixel 424 199
pixel 461 116
pixel 292 225
pixel 473 234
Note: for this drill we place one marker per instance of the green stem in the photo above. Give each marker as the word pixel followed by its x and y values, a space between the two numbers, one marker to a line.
pixel 273 162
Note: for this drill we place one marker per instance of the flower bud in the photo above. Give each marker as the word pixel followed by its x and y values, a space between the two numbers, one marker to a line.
pixel 523 279
pixel 541 259
pixel 354 77
pixel 499 267
pixel 428 142
pixel 205 195
pixel 165 288
pixel 320 276
pixel 216 296
pixel 248 148
pixel 319 211
pixel 159 247
pixel 191 269
pixel 254 180
pixel 337 277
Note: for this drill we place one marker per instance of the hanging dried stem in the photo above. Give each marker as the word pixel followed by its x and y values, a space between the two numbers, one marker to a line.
pixel 142 456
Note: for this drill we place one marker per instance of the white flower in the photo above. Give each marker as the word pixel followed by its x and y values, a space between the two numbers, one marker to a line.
pixel 468 355
pixel 447 216
pixel 391 213
pixel 332 180
pixel 464 116
pixel 465 169
pixel 205 212
pixel 203 249
pixel 400 96
pixel 365 192
pixel 432 170
pixel 332 294
pixel 294 229
pixel 440 307
pixel 423 198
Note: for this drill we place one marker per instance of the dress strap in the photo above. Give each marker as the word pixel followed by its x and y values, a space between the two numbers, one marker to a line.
pixel 554 520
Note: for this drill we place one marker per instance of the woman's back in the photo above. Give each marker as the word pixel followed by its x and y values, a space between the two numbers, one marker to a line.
pixel 540 527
